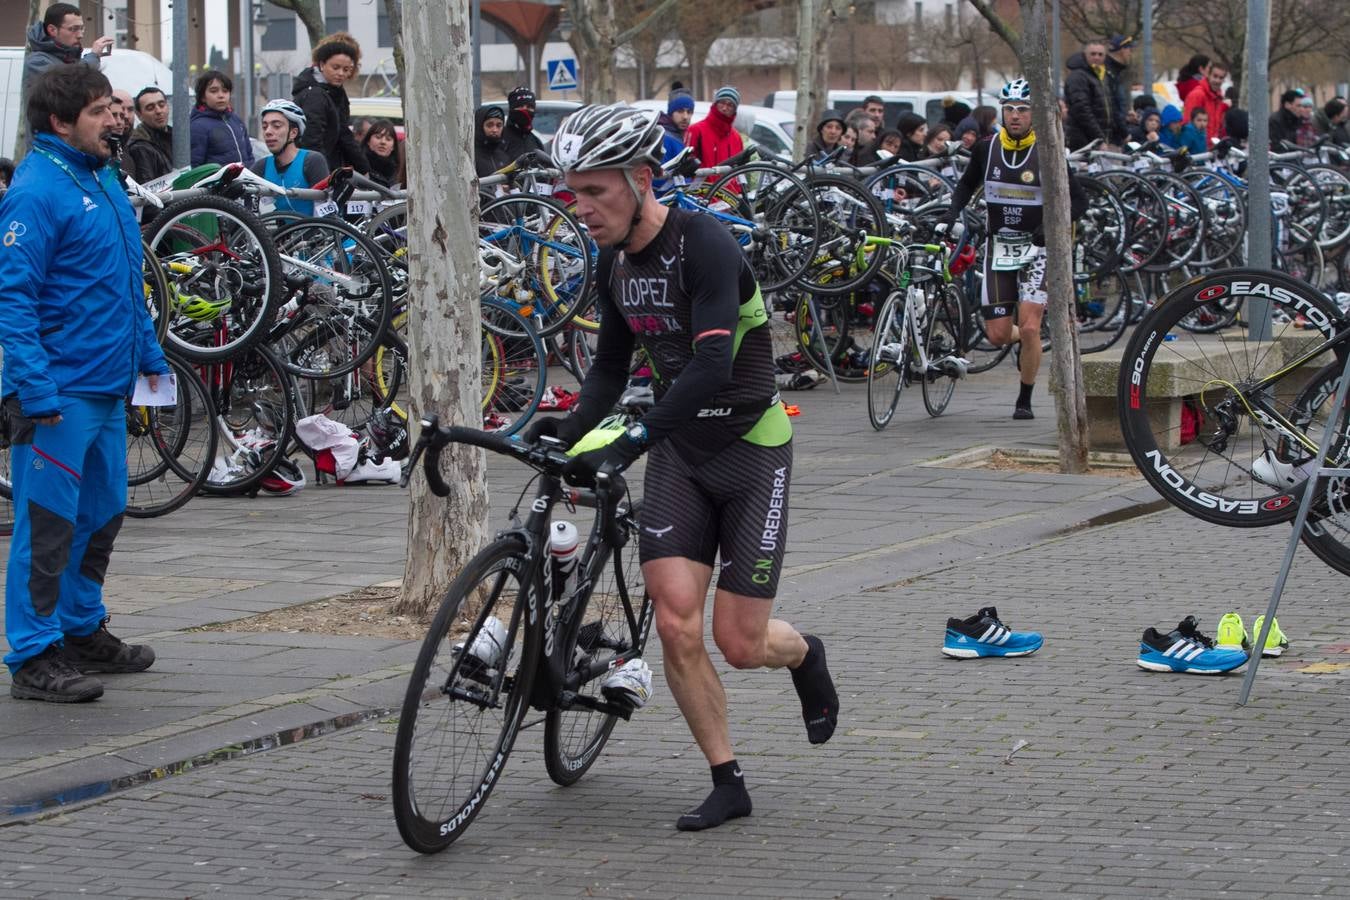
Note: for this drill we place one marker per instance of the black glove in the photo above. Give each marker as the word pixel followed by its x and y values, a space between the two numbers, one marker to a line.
pixel 615 456
pixel 567 429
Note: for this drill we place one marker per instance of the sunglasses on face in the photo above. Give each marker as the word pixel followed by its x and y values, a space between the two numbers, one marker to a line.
pixel 1017 109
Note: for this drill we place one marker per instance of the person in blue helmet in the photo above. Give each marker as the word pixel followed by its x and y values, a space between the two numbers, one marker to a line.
pixel 76 335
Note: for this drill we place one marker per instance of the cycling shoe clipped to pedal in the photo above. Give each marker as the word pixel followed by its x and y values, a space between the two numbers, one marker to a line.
pixel 629 685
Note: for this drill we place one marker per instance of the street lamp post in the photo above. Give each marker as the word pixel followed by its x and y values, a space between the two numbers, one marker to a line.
pixel 253 25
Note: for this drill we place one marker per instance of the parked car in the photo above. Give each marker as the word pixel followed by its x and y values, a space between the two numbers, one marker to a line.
pixel 770 129
pixel 390 108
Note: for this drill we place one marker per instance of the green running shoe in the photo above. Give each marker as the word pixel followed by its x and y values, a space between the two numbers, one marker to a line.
pixel 1232 633
pixel 1276 642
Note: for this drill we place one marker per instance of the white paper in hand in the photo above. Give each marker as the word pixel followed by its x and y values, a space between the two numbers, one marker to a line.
pixel 165 395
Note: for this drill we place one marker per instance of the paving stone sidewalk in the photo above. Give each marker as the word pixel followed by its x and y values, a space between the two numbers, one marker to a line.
pixel 1131 784
pixel 865 511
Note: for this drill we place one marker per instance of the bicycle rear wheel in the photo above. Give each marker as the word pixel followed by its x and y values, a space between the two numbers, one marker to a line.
pixel 170 449
pixel 889 371
pixel 466 698
pixel 944 336
pixel 513 367
pixel 1189 403
pixel 600 635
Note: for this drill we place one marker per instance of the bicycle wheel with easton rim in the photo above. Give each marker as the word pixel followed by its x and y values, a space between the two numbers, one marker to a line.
pixel 467 695
pixel 601 635
pixel 1186 400
pixel 889 371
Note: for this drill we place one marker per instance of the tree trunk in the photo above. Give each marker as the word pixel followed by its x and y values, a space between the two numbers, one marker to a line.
pixel 593 38
pixel 394 10
pixel 443 314
pixel 1066 365
pixel 815 23
pixel 806 95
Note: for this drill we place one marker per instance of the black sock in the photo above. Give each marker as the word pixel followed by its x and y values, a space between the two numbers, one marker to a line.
pixel 1024 395
pixel 729 800
pixel 820 702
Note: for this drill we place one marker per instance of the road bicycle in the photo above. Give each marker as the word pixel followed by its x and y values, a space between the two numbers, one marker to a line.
pixel 1227 430
pixel 517 631
pixel 920 333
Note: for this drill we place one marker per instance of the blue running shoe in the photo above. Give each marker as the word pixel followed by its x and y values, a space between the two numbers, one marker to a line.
pixel 1187 650
pixel 984 635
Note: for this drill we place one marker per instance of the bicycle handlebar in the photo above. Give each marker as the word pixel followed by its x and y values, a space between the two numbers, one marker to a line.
pixel 547 458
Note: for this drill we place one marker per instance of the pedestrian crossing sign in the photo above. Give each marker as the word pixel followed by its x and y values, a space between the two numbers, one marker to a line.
pixel 562 75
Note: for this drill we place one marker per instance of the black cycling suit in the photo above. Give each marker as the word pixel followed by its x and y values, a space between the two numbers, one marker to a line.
pixel 721 451
pixel 1010 172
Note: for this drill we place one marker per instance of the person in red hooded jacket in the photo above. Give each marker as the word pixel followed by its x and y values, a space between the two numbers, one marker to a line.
pixel 714 138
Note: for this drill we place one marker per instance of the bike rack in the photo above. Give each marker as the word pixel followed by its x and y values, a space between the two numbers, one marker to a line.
pixel 819 333
pixel 1300 520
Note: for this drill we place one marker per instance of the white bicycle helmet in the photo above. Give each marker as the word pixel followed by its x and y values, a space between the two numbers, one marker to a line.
pixel 611 137
pixel 1016 91
pixel 608 137
pixel 286 478
pixel 294 114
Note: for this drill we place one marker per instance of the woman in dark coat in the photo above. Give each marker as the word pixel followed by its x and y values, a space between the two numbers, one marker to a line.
pixel 318 91
pixel 384 153
pixel 913 130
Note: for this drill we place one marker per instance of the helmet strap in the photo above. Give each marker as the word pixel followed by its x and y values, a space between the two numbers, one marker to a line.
pixel 637 210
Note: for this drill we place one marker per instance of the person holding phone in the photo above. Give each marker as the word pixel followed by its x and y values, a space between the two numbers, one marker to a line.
pixel 55 41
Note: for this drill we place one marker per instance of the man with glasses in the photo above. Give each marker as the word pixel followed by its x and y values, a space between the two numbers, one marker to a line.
pixel 55 41
pixel 1009 168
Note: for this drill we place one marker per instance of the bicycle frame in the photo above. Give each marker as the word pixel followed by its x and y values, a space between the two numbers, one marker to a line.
pixel 556 682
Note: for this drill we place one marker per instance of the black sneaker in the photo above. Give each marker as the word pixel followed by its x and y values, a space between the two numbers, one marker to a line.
pixel 1023 412
pixel 101 652
pixel 50 676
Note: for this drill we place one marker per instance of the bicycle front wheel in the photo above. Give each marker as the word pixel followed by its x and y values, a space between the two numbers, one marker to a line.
pixel 1196 411
pixel 466 698
pixel 612 627
pixel 1327 531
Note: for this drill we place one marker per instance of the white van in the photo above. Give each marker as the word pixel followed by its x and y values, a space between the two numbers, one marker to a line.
pixel 926 103
pixel 11 96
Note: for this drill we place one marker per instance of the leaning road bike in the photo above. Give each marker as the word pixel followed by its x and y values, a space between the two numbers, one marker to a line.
pixel 920 333
pixel 517 631
pixel 1228 430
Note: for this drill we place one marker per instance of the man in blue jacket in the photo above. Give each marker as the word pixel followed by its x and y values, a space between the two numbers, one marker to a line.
pixel 76 334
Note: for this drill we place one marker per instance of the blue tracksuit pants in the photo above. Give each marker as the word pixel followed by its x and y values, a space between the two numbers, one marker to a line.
pixel 70 490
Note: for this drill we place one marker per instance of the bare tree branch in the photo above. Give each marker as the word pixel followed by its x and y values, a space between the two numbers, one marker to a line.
pixel 996 22
pixel 310 14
